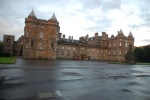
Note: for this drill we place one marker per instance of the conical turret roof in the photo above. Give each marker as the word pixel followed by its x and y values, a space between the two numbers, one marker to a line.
pixel 32 13
pixel 121 32
pixel 53 17
pixel 130 34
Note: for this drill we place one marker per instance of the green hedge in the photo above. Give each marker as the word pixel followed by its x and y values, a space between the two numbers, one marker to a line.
pixel 5 54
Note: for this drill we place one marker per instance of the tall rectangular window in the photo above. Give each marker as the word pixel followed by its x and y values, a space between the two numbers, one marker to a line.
pixel 52 45
pixel 114 44
pixel 120 44
pixel 26 45
pixel 40 45
pixel 120 52
pixel 126 44
pixel 32 43
pixel 114 53
pixel 109 45
pixel 41 34
pixel 68 48
pixel 27 34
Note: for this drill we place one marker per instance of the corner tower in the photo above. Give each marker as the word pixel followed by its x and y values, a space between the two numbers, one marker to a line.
pixel 40 37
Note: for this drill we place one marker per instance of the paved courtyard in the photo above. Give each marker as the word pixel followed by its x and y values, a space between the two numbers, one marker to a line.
pixel 73 80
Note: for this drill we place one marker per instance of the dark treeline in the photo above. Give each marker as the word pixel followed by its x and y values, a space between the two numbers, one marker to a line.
pixel 1 46
pixel 142 54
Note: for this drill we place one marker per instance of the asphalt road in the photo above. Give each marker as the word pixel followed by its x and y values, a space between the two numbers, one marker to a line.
pixel 73 80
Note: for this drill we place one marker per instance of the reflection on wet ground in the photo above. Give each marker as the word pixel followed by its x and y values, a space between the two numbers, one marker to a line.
pixel 73 80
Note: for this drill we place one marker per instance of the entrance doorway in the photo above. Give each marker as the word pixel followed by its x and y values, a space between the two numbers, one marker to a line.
pixel 82 57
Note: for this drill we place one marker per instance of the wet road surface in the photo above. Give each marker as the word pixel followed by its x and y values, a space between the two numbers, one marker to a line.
pixel 73 80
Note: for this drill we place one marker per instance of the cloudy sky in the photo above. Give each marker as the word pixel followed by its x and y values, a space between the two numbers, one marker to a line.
pixel 80 17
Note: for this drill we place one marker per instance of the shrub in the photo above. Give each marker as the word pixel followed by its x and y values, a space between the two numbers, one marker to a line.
pixel 5 54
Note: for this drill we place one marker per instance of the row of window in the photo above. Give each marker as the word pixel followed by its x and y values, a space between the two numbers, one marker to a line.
pixel 41 34
pixel 120 44
pixel 40 45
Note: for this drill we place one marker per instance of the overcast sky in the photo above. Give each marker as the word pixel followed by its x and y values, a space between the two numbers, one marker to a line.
pixel 80 17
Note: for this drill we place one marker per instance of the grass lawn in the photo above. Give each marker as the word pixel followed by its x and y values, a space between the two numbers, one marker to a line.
pixel 142 63
pixel 116 62
pixel 137 63
pixel 7 60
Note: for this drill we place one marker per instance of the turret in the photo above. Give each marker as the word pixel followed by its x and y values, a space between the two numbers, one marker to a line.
pixel 53 17
pixel 120 33
pixel 32 14
pixel 130 34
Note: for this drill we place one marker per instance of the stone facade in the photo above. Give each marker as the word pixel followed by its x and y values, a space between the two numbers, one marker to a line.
pixel 8 44
pixel 96 47
pixel 11 46
pixel 42 39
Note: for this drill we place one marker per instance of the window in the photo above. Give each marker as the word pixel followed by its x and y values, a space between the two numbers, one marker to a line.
pixel 41 34
pixel 32 43
pixel 68 48
pixel 27 34
pixel 26 45
pixel 114 53
pixel 102 52
pixel 120 44
pixel 109 45
pixel 52 45
pixel 126 44
pixel 62 47
pixel 114 44
pixel 68 54
pixel 73 48
pixel 8 40
pixel 40 45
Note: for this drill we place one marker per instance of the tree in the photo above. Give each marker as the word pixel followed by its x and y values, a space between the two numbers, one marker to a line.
pixel 142 54
pixel 1 46
pixel 129 57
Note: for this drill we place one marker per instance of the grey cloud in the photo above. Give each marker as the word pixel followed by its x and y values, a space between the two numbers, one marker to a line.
pixel 146 40
pixel 134 26
pixel 145 15
pixel 110 5
pixel 102 24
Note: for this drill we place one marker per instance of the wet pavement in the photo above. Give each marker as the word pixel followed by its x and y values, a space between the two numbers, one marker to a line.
pixel 30 79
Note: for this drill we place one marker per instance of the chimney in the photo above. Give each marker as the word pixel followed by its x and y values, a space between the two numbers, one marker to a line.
pixel 96 34
pixel 59 35
pixel 70 37
pixel 63 36
pixel 103 35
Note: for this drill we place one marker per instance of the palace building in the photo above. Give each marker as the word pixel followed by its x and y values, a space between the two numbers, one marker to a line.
pixel 43 40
